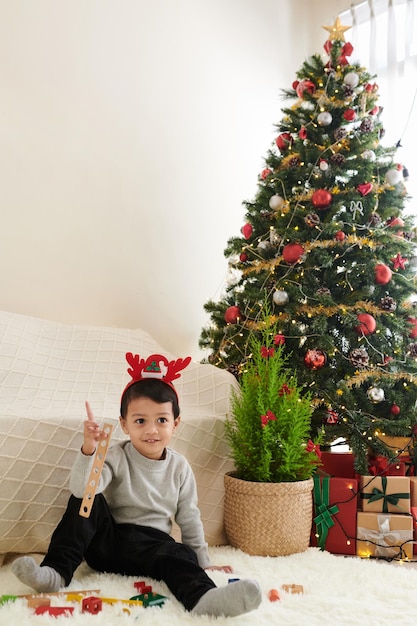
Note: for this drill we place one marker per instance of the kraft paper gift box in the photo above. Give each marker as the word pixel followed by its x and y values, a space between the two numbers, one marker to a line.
pixel 385 494
pixel 335 506
pixel 384 535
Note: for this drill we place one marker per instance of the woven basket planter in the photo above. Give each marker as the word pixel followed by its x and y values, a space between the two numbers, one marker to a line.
pixel 268 519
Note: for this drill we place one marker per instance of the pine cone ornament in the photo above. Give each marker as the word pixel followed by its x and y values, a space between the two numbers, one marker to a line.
pixel 294 162
pixel 234 369
pixel 359 357
pixel 412 349
pixel 323 291
pixel 374 219
pixel 388 304
pixel 312 219
pixel 367 125
pixel 337 159
pixel 340 133
pixel 348 91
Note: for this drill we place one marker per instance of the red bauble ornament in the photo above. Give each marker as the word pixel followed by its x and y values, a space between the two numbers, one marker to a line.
pixel 395 409
pixel 367 324
pixel 383 274
pixel 305 85
pixel 284 141
pixel 247 230
pixel 349 115
pixel 243 257
pixel 292 252
pixel 340 235
pixel 413 322
pixel 315 359
pixel 265 173
pixel 365 188
pixel 395 221
pixel 302 133
pixel 321 198
pixel 232 314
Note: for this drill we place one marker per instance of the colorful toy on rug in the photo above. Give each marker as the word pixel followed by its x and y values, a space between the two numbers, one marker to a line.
pixel 90 601
pixel 147 596
pixel 273 595
pixel 293 588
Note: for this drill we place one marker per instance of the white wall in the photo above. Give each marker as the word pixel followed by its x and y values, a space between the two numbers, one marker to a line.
pixel 130 133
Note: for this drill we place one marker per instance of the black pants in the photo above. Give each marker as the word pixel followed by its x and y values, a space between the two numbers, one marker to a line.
pixel 124 549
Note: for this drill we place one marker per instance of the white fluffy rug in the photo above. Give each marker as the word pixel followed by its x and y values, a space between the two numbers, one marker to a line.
pixel 337 590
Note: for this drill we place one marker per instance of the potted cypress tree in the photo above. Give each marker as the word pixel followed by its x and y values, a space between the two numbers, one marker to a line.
pixel 268 498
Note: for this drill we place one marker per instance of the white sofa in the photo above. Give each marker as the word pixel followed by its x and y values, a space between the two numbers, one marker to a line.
pixel 47 371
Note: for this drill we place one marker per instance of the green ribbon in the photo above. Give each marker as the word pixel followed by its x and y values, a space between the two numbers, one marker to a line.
pixel 387 498
pixel 323 511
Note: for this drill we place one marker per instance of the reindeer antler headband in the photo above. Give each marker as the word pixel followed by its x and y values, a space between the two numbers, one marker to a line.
pixel 155 366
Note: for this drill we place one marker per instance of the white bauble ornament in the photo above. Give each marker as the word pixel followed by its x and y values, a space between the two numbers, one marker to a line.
pixel 276 202
pixel 264 245
pixel 351 79
pixel 375 394
pixel 393 177
pixel 280 297
pixel 323 165
pixel 324 118
pixel 369 155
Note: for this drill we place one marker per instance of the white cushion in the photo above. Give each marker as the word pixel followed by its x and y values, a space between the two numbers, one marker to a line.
pixel 47 371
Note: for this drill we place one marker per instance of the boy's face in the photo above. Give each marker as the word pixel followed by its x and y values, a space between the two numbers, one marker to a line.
pixel 150 426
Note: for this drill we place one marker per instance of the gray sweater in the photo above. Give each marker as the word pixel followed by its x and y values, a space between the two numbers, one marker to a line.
pixel 150 493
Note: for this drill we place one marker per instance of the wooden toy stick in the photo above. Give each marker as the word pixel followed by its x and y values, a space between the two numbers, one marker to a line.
pixel 99 458
pixel 83 592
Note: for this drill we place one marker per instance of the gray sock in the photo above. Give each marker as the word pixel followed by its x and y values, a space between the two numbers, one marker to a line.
pixel 43 579
pixel 231 600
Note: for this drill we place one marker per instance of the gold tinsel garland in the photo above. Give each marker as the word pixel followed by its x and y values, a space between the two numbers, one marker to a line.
pixel 270 264
pixel 374 373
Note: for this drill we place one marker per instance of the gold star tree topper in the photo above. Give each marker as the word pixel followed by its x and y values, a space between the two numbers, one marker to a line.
pixel 337 31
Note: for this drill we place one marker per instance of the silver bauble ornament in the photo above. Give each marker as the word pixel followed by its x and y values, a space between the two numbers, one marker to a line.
pixel 375 394
pixel 351 80
pixel 369 155
pixel 325 118
pixel 280 297
pixel 276 202
pixel 393 177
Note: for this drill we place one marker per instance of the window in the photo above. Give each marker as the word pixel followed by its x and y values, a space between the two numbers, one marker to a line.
pixel 384 38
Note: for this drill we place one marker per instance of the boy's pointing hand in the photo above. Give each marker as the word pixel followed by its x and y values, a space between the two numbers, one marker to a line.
pixel 92 433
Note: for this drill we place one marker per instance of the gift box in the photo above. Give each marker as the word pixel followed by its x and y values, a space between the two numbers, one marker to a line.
pixel 385 494
pixel 413 491
pixel 335 508
pixel 381 466
pixel 338 464
pixel 414 515
pixel 384 535
pixel 401 446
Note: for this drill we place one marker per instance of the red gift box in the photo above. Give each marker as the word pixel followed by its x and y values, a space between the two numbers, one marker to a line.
pixel 338 464
pixel 414 514
pixel 380 466
pixel 335 508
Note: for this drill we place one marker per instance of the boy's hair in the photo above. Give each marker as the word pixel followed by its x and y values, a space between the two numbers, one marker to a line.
pixel 152 388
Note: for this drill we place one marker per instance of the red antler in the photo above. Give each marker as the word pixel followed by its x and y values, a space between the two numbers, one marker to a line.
pixel 137 365
pixel 174 367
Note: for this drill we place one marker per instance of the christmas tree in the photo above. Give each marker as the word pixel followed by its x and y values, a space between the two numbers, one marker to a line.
pixel 326 242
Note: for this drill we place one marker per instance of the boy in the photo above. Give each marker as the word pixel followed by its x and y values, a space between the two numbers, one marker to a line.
pixel 143 485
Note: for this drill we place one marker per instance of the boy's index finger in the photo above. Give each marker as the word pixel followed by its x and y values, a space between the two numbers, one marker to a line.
pixel 90 414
